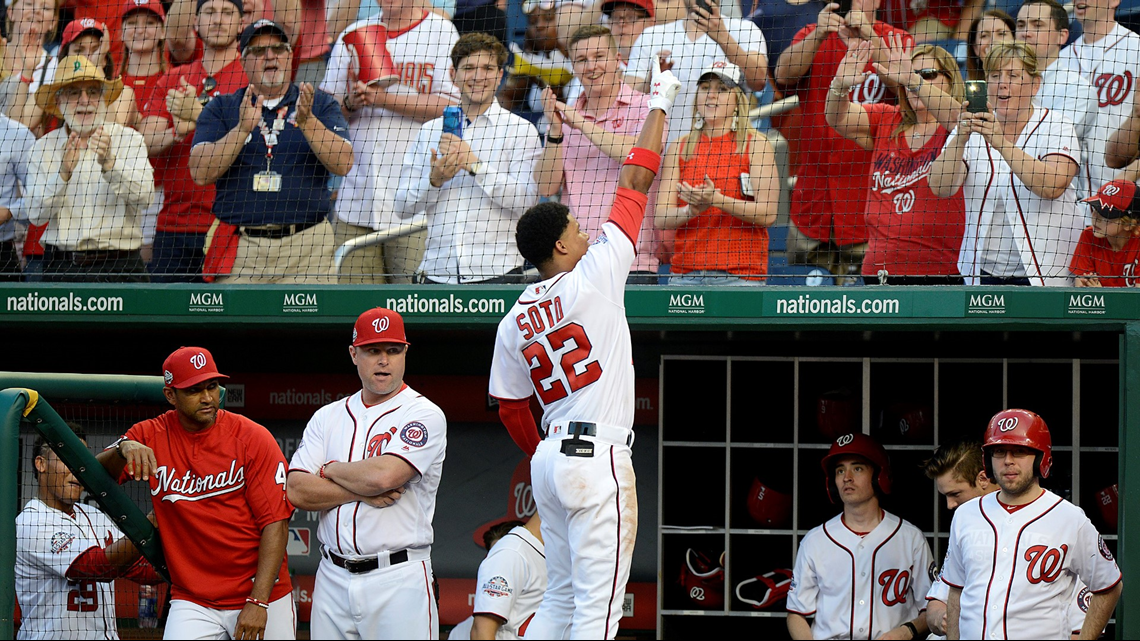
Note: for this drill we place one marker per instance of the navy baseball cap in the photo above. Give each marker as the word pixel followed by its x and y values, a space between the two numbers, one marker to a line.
pixel 236 3
pixel 258 28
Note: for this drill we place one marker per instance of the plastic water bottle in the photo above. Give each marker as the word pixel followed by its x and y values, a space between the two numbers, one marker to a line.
pixel 148 606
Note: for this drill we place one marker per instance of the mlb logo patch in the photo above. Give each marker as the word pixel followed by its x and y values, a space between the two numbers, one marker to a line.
pixel 299 541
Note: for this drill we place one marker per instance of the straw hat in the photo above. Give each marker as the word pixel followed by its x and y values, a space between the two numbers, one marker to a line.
pixel 71 70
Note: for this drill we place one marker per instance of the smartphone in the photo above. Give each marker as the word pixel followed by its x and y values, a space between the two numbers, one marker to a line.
pixel 705 6
pixel 977 94
pixel 453 121
pixel 844 7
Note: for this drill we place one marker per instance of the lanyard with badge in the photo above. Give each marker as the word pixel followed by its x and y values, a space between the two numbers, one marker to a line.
pixel 269 180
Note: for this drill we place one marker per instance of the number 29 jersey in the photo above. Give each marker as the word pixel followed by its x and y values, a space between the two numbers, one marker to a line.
pixel 566 339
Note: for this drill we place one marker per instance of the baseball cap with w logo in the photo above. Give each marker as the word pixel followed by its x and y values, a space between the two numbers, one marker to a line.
pixel 188 366
pixel 378 325
pixel 1115 199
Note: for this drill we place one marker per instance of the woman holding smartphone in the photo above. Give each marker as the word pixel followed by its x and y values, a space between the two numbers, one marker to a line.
pixel 913 236
pixel 1015 165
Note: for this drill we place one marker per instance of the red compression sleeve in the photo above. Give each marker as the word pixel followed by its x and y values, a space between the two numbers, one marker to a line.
pixel 91 565
pixel 628 211
pixel 516 416
pixel 143 572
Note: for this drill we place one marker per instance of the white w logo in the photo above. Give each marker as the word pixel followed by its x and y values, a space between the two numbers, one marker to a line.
pixel 380 325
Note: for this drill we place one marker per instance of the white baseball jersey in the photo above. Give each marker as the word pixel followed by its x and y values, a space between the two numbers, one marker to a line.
pixel 379 137
pixel 939 591
pixel 860 587
pixel 1010 231
pixel 1112 65
pixel 512 580
pixel 408 426
pixel 47 543
pixel 1017 572
pixel 690 59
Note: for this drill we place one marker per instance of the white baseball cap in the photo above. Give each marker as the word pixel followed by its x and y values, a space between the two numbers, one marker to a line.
pixel 729 73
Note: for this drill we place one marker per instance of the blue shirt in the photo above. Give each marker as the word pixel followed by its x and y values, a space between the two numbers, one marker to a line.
pixel 304 196
pixel 15 143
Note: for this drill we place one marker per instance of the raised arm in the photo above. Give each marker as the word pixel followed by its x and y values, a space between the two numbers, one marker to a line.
pixel 896 67
pixel 1124 144
pixel 795 62
pixel 663 90
pixel 753 63
pixel 849 119
pixel 549 168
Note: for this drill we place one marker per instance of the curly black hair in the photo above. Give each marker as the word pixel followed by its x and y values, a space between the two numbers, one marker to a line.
pixel 539 229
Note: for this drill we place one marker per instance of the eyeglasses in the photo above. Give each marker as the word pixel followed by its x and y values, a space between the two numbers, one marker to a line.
pixel 931 74
pixel 259 51
pixel 209 84
pixel 73 93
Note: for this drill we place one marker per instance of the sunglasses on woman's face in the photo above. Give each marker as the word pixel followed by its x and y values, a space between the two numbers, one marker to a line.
pixel 209 84
pixel 929 74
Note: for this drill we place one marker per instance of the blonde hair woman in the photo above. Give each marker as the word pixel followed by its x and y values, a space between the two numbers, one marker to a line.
pixel 719 188
pixel 913 235
pixel 1015 165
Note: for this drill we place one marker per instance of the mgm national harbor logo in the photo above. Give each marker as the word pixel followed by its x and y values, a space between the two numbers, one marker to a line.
pixel 206 302
pixel 1087 304
pixel 986 304
pixel 686 303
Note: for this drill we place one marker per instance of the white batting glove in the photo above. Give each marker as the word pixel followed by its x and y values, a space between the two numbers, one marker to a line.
pixel 663 88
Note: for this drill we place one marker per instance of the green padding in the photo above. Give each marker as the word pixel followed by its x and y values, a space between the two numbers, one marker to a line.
pixel 94 387
pixel 105 490
pixel 12 403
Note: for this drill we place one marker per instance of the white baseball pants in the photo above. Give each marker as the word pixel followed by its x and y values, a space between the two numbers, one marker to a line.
pixel 188 620
pixel 395 602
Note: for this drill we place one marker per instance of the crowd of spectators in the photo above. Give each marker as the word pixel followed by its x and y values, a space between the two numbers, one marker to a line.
pixel 245 141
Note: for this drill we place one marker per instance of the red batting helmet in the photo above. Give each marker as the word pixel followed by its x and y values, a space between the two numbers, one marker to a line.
pixel 768 507
pixel 703 580
pixel 857 445
pixel 1108 500
pixel 835 413
pixel 765 590
pixel 1020 428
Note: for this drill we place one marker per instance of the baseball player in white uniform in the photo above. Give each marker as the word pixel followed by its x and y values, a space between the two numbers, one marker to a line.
pixel 381 125
pixel 1014 556
pixel 68 556
pixel 512 580
pixel 371 464
pixel 864 573
pixel 567 341
pixel 1108 56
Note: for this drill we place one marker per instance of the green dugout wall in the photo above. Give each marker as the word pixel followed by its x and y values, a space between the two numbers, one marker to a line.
pixel 127 330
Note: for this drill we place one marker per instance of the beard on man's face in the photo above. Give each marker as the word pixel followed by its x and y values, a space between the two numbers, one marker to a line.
pixel 84 119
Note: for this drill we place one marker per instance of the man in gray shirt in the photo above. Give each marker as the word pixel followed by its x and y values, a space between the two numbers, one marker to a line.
pixel 15 141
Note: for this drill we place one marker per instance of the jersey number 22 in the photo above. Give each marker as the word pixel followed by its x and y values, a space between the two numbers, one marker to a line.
pixel 547 384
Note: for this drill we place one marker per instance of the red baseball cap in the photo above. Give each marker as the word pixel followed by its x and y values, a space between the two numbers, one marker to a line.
pixel 76 28
pixel 188 366
pixel 609 6
pixel 1114 199
pixel 378 325
pixel 153 6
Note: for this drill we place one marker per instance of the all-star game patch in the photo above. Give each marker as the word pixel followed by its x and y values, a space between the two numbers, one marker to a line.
pixel 497 587
pixel 60 541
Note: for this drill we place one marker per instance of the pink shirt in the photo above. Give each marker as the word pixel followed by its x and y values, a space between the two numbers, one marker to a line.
pixel 591 177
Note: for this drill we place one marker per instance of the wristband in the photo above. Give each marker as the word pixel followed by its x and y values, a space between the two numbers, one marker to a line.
pixel 26 80
pixel 555 140
pixel 913 630
pixel 322 470
pixel 260 604
pixel 837 92
pixel 642 157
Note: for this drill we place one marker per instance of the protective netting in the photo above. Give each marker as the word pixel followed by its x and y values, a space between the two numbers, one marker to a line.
pixel 809 145
pixel 59 522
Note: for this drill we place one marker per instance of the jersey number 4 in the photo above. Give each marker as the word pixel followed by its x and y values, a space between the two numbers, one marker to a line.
pixel 83 597
pixel 549 385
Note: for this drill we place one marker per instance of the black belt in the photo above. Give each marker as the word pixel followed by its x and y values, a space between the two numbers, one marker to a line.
pixel 360 566
pixel 581 428
pixel 93 257
pixel 277 231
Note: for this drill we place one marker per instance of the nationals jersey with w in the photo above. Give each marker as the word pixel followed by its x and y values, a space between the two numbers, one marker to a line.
pixel 47 543
pixel 566 339
pixel 860 587
pixel 1112 65
pixel 512 580
pixel 408 426
pixel 1017 572
pixel 213 493
pixel 1096 257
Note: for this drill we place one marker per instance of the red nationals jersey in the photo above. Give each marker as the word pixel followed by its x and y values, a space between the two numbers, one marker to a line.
pixel 213 493
pixel 1095 257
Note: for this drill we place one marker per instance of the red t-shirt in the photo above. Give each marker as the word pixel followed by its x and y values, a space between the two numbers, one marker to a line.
pixel 904 14
pixel 143 86
pixel 830 197
pixel 213 493
pixel 186 207
pixel 1095 257
pixel 715 239
pixel 910 231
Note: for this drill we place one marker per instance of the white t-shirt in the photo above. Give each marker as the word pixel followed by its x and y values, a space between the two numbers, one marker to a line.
pixel 567 341
pixel 379 137
pixel 860 587
pixel 408 426
pixel 47 543
pixel 512 580
pixel 1045 231
pixel 1018 572
pixel 1112 66
pixel 690 59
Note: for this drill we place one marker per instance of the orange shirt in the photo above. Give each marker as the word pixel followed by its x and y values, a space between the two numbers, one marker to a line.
pixel 714 239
